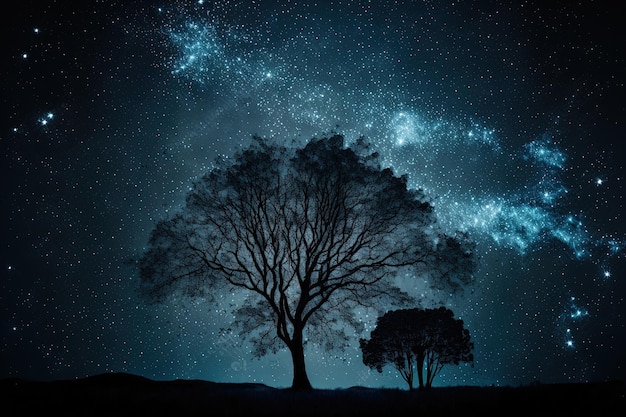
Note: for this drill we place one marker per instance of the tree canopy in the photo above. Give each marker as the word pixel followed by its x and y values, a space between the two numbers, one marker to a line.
pixel 417 340
pixel 308 235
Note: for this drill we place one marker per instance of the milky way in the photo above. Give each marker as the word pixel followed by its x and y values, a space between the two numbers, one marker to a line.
pixel 506 115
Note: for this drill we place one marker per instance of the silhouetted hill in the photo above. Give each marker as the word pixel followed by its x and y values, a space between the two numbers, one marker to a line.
pixel 121 394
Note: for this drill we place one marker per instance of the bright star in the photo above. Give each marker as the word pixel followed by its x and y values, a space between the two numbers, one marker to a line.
pixel 46 119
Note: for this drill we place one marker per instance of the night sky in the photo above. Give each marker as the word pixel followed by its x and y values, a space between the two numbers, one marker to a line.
pixel 510 115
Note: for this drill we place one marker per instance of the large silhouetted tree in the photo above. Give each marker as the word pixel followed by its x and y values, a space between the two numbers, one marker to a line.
pixel 310 234
pixel 417 340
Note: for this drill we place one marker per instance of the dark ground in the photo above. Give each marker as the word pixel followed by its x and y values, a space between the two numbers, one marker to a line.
pixel 126 395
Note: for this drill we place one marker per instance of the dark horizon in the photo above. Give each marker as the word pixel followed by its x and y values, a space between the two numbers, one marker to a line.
pixel 126 394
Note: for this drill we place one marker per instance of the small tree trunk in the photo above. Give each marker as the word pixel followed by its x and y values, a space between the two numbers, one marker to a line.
pixel 419 365
pixel 300 378
pixel 408 371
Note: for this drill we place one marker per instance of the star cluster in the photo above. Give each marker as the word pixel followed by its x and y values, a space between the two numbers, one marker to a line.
pixel 509 115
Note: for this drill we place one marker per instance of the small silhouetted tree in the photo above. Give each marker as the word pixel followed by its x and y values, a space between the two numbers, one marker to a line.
pixel 417 340
pixel 308 235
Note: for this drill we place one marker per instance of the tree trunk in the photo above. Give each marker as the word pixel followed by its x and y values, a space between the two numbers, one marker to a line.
pixel 300 378
pixel 419 365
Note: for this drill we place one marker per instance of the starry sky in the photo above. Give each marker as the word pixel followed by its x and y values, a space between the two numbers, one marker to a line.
pixel 510 115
